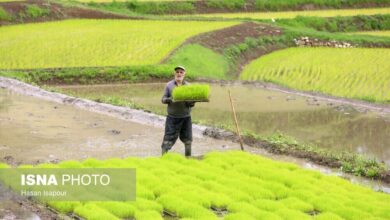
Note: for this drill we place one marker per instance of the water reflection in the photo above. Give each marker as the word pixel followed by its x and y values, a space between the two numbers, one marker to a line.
pixel 265 112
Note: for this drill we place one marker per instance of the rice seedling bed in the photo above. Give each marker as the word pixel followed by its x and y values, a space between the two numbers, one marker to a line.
pixel 193 92
pixel 89 42
pixel 361 73
pixel 374 33
pixel 293 14
pixel 244 185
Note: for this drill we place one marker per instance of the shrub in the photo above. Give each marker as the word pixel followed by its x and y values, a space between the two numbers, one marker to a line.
pixel 34 11
pixel 4 14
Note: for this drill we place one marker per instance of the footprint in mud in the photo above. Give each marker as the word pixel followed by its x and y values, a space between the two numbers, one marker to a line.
pixel 290 98
pixel 114 132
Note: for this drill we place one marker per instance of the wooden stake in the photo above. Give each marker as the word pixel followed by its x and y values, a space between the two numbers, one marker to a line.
pixel 235 121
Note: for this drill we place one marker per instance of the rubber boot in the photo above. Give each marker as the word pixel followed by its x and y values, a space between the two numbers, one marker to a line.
pixel 187 150
pixel 165 147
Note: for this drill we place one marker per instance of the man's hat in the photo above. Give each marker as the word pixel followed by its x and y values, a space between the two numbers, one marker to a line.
pixel 180 67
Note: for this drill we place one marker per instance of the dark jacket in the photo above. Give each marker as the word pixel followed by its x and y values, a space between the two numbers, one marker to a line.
pixel 176 109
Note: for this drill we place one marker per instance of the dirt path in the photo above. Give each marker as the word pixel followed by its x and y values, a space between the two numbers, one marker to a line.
pixel 359 105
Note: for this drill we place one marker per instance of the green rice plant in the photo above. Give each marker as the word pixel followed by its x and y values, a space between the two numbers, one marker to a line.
pixel 93 163
pixel 293 14
pixel 70 164
pixel 185 209
pixel 88 42
pixel 93 212
pixel 143 192
pixel 147 205
pixel 148 215
pixel 350 213
pixel 238 215
pixel 346 72
pixel 65 207
pixel 192 92
pixel 268 205
pixel 243 207
pixel 4 165
pixel 297 204
pixel 292 214
pixel 171 184
pixel 119 209
pixel 327 216
pixel 374 33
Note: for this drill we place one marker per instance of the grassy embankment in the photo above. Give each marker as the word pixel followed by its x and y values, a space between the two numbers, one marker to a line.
pixel 246 186
pixel 374 33
pixel 209 6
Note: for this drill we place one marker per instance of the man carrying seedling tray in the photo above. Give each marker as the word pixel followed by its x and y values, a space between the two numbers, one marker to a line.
pixel 181 97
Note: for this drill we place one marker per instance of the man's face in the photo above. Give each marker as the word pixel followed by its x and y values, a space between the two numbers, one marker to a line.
pixel 179 74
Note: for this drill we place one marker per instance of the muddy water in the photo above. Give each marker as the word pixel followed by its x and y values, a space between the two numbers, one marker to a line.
pixel 34 131
pixel 326 124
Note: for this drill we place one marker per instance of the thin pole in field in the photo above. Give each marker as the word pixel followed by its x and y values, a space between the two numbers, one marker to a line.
pixel 235 121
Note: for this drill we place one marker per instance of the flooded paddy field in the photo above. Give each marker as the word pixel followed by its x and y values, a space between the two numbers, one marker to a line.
pixel 35 131
pixel 326 124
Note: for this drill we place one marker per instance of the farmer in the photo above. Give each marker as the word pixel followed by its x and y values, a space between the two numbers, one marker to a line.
pixel 178 122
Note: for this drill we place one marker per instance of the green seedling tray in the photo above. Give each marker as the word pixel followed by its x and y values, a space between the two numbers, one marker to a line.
pixel 205 100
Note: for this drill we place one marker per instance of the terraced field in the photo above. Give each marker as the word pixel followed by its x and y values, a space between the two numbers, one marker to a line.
pixel 293 14
pixel 238 184
pixel 374 33
pixel 360 73
pixel 73 43
pixel 108 1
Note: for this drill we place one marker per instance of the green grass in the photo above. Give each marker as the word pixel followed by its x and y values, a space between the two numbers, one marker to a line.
pixel 340 24
pixel 360 73
pixel 191 92
pixel 142 1
pixel 247 186
pixel 34 11
pixel 374 33
pixel 81 43
pixel 4 15
pixel 288 4
pixel 293 14
pixel 200 61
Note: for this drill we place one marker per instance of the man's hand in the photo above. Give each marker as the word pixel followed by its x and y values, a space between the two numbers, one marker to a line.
pixel 190 104
pixel 168 100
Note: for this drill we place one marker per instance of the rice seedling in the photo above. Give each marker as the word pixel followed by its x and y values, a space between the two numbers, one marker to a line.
pixel 93 212
pixel 292 214
pixel 253 210
pixel 239 215
pixel 64 207
pixel 119 209
pixel 88 42
pixel 148 215
pixel 293 14
pixel 327 216
pixel 172 184
pixel 147 205
pixel 296 204
pixel 360 73
pixel 193 92
pixel 374 33
pixel 185 209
